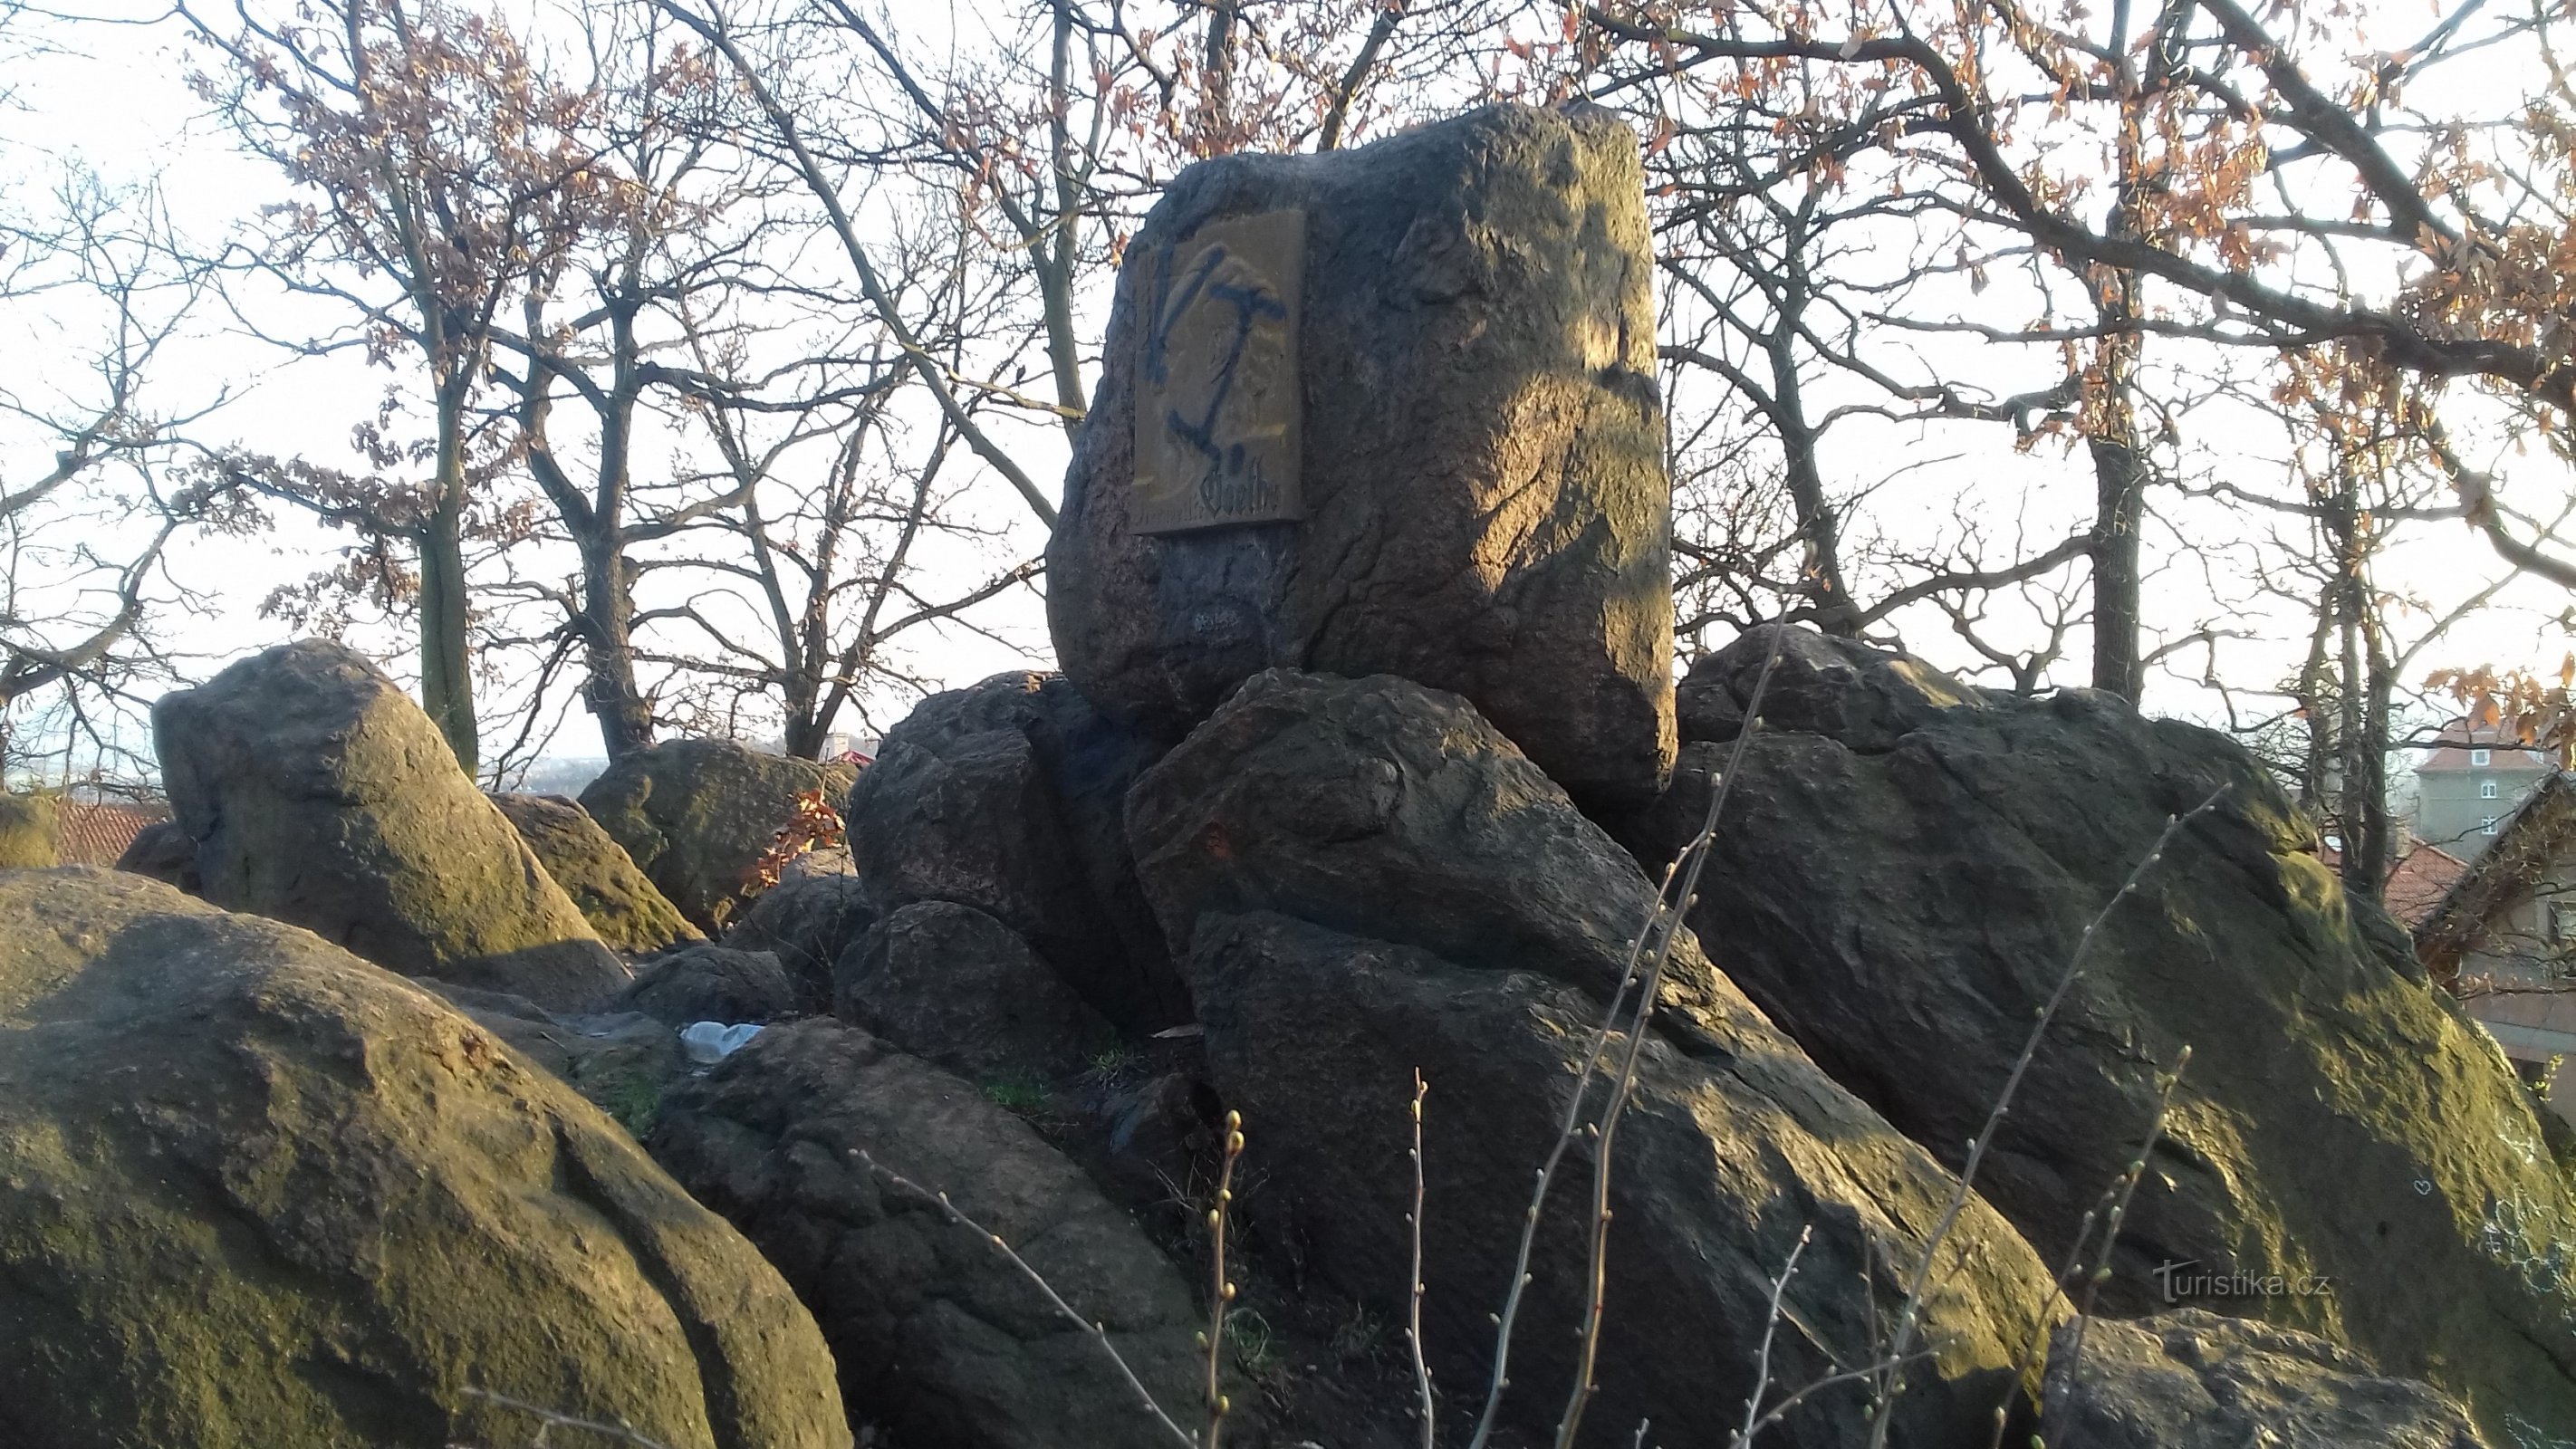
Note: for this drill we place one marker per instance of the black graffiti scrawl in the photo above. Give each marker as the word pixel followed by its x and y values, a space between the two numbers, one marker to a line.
pixel 1218 412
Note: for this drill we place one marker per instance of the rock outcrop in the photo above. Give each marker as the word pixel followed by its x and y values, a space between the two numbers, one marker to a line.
pixel 934 1329
pixel 1369 878
pixel 950 983
pixel 807 924
pixel 31 831
pixel 317 793
pixel 263 1195
pixel 2192 1379
pixel 1467 413
pixel 627 911
pixel 715 983
pixel 1009 797
pixel 163 851
pixel 622 1061
pixel 1903 874
pixel 697 816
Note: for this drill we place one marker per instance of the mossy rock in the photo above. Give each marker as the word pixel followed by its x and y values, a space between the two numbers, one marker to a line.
pixel 316 792
pixel 697 816
pixel 263 1195
pixel 31 832
pixel 1905 870
pixel 627 911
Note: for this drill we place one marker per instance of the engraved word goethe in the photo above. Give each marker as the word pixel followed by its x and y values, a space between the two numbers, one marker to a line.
pixel 1218 409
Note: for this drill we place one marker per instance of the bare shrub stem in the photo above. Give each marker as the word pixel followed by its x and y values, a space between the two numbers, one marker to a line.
pixel 1413 1288
pixel 1910 1315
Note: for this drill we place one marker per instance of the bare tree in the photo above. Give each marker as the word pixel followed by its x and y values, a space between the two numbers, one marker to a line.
pixel 97 479
pixel 441 175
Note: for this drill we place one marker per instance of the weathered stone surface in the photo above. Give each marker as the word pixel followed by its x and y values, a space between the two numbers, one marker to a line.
pixel 698 815
pixel 1369 879
pixel 163 851
pixel 714 983
pixel 627 911
pixel 263 1195
pixel 31 832
pixel 933 1328
pixel 1009 797
pixel 1901 879
pixel 622 1061
pixel 1485 506
pixel 316 792
pixel 951 984
pixel 2192 1379
pixel 806 923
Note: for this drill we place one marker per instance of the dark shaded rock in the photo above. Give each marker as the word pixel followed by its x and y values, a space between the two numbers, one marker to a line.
pixel 1867 698
pixel 697 816
pixel 712 983
pixel 316 792
pixel 1902 901
pixel 31 831
pixel 622 1061
pixel 2192 1379
pixel 934 1328
pixel 163 852
pixel 807 924
pixel 1371 879
pixel 626 910
pixel 263 1195
pixel 950 983
pixel 1484 501
pixel 1009 797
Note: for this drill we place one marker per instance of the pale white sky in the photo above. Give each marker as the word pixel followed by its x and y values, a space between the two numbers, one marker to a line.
pixel 114 99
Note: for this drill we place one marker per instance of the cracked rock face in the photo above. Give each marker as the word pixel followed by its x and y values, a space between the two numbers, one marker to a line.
pixel 1903 873
pixel 1367 878
pixel 2191 1379
pixel 938 1333
pixel 1483 506
pixel 262 1195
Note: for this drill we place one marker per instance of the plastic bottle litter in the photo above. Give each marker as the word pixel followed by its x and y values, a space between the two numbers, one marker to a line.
pixel 708 1042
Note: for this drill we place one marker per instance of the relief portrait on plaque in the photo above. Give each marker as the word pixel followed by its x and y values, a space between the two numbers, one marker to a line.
pixel 1218 408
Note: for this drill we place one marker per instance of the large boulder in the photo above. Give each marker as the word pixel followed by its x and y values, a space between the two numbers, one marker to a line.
pixel 1009 797
pixel 807 924
pixel 1458 388
pixel 316 792
pixel 952 984
pixel 933 1326
pixel 1904 873
pixel 697 817
pixel 263 1195
pixel 626 910
pixel 715 983
pixel 31 831
pixel 1369 879
pixel 2192 1379
pixel 163 851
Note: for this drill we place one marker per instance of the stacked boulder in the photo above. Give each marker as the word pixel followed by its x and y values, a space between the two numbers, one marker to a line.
pixel 311 789
pixel 1908 867
pixel 631 915
pixel 699 816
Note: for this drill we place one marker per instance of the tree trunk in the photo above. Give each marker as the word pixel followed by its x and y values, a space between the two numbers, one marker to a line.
pixel 2120 496
pixel 446 673
pixel 610 692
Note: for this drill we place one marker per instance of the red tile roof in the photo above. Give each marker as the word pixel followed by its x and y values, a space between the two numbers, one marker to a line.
pixel 96 833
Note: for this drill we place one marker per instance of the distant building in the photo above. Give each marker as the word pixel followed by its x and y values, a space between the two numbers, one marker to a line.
pixel 2503 936
pixel 2469 783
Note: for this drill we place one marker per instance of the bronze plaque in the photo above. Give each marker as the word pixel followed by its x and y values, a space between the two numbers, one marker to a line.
pixel 1218 408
